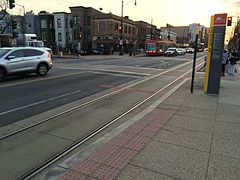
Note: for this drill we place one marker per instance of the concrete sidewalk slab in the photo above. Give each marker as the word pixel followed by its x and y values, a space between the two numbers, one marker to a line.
pixel 184 137
pixel 191 123
pixel 196 113
pixel 134 172
pixel 173 160
pixel 222 168
pixel 226 145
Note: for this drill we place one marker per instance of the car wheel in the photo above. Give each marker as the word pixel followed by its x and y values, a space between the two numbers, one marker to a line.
pixel 2 73
pixel 42 69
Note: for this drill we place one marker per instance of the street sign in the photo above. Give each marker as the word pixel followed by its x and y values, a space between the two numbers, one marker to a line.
pixel 214 60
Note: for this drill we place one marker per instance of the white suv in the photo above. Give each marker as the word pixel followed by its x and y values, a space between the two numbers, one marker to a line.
pixel 24 60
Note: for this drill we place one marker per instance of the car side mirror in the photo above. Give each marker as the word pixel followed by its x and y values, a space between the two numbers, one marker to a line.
pixel 10 57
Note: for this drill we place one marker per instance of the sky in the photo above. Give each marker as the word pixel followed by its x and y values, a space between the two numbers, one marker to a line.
pixel 160 12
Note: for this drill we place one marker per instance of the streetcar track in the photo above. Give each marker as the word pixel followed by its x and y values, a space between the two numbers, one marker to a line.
pixel 94 100
pixel 76 144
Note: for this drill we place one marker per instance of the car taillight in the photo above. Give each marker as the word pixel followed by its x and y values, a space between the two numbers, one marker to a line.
pixel 49 55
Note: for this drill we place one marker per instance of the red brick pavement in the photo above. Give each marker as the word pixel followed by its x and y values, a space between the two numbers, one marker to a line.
pixel 108 161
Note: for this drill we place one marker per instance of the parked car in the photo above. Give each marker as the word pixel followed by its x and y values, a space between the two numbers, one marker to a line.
pixel 171 52
pixel 15 60
pixel 190 50
pixel 181 51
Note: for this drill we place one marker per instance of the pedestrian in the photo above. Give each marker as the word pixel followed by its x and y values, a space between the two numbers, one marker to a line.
pixel 205 61
pixel 232 61
pixel 224 61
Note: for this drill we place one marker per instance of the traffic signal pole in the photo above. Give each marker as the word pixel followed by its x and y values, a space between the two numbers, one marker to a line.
pixel 194 60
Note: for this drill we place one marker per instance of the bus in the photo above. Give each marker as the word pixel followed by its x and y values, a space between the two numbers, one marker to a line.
pixel 157 47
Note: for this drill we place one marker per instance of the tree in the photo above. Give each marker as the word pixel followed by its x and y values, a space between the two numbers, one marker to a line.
pixel 3 15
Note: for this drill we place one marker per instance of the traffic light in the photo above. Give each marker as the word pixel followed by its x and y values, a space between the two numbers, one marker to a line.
pixel 229 21
pixel 11 4
pixel 14 26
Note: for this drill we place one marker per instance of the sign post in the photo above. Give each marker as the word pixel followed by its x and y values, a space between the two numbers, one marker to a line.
pixel 194 58
pixel 215 54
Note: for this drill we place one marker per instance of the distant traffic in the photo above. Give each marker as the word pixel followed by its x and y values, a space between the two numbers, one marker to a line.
pixel 166 48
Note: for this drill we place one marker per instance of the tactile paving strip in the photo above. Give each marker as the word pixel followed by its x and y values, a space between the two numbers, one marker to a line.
pixel 106 172
pixel 108 161
pixel 73 176
pixel 86 167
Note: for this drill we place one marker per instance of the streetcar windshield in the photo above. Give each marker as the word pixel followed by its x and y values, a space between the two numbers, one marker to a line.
pixel 150 47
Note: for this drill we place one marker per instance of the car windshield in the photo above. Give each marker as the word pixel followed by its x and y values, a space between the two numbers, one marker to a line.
pixel 171 49
pixel 3 52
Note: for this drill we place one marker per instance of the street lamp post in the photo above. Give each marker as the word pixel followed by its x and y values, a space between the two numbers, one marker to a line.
pixel 24 22
pixel 121 36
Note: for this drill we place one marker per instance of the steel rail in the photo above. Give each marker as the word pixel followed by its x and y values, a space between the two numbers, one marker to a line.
pixel 78 143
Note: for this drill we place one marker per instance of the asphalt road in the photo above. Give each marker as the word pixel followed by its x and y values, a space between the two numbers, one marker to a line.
pixel 28 95
pixel 28 99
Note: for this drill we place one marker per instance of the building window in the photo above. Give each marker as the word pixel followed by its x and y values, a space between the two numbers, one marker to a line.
pixel 129 30
pixel 59 36
pixel 66 23
pixel 89 32
pixel 59 23
pixel 102 26
pixel 51 24
pixel 44 36
pixel 76 35
pixel 88 21
pixel 133 31
pixel 43 23
pixel 75 20
pixel 67 39
pixel 84 20
pixel 125 28
pixel 116 27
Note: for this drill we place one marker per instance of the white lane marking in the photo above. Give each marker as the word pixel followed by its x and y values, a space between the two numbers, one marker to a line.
pixel 43 79
pixel 40 102
pixel 95 70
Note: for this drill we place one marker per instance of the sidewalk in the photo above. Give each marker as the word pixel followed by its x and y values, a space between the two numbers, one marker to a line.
pixel 183 136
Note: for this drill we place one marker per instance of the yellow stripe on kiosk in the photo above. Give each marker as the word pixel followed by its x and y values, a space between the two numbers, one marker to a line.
pixel 207 68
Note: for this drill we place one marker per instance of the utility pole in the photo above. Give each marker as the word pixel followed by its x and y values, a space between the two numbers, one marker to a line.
pixel 121 36
pixel 24 21
pixel 151 29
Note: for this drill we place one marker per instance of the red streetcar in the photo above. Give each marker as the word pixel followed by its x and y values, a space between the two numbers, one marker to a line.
pixel 157 47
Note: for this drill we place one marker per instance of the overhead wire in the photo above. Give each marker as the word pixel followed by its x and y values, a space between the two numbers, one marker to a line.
pixel 201 11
